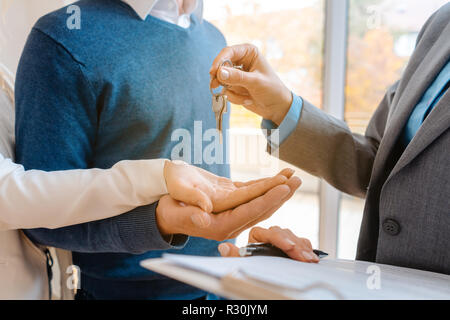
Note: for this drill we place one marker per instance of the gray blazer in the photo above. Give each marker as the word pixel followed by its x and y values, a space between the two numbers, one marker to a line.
pixel 407 214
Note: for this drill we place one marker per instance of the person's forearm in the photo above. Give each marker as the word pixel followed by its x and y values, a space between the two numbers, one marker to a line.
pixel 135 232
pixel 325 147
pixel 38 199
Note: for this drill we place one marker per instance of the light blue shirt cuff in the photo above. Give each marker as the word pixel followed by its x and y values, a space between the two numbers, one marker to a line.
pixel 286 127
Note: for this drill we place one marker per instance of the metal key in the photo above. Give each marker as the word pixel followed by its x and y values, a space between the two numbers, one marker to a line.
pixel 220 103
pixel 219 107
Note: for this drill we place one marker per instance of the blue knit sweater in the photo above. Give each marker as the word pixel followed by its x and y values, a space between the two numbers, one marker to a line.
pixel 118 88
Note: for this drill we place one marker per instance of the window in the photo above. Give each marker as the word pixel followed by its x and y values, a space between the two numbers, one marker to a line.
pixel 381 38
pixel 290 34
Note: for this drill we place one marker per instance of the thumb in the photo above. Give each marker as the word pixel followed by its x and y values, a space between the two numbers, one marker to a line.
pixel 197 217
pixel 235 77
pixel 227 249
pixel 194 196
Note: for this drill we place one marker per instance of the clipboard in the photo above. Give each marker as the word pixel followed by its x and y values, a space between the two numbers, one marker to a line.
pixel 233 286
pixel 272 278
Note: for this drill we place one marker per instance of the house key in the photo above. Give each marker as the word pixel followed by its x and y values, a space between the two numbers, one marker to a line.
pixel 219 107
pixel 220 103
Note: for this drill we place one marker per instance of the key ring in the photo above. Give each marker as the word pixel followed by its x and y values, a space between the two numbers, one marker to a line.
pixel 224 86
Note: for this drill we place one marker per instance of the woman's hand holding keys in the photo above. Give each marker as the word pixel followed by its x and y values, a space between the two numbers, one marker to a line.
pixel 257 87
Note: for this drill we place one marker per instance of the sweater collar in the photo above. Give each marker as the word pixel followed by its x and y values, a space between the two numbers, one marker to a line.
pixel 165 9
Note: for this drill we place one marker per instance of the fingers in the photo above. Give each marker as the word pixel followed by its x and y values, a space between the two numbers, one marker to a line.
pixel 237 90
pixel 244 54
pixel 235 77
pixel 297 248
pixel 254 190
pixel 241 100
pixel 200 219
pixel 273 236
pixel 227 249
pixel 293 183
pixel 192 218
pixel 244 100
pixel 185 183
pixel 228 222
pixel 174 217
pixel 247 193
pixel 287 172
pixel 247 215
pixel 193 196
pixel 227 53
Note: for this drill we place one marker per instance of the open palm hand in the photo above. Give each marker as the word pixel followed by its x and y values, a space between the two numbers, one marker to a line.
pixel 212 193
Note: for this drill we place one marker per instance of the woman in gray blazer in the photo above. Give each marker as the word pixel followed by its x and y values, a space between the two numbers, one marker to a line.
pixel 401 166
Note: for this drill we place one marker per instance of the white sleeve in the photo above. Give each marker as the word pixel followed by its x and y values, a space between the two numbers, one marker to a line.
pixel 38 199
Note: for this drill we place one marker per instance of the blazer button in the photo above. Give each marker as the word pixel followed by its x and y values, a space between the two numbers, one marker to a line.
pixel 391 227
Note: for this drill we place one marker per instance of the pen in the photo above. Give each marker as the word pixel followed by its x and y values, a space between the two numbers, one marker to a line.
pixel 267 249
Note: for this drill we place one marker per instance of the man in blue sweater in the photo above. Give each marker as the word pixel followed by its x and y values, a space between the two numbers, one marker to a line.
pixel 121 86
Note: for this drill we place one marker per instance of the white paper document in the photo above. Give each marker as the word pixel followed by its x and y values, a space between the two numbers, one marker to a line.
pixel 330 279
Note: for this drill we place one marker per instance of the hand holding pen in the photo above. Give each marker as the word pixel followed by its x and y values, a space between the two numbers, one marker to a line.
pixel 284 239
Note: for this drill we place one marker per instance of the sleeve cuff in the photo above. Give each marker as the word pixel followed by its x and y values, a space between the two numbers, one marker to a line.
pixel 139 231
pixel 147 177
pixel 286 127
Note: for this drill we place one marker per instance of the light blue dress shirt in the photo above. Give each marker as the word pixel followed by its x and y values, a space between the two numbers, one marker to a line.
pixel 286 127
pixel 426 105
pixel 418 116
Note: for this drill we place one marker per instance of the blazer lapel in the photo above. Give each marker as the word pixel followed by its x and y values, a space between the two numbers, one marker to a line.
pixel 436 124
pixel 428 62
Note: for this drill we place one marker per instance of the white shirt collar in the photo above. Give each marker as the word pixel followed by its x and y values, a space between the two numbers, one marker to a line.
pixel 167 10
